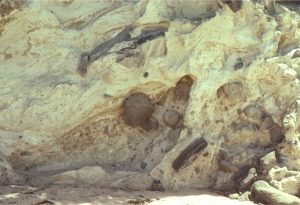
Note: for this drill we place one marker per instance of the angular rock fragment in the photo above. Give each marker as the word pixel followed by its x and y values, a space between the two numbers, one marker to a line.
pixel 285 180
pixel 149 34
pixel 101 49
pixel 253 112
pixel 262 192
pixel 268 161
pixel 194 148
pixel 171 118
pixel 182 89
pixel 232 91
pixel 137 109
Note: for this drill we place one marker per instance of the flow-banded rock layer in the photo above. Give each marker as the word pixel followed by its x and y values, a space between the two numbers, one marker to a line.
pixel 150 94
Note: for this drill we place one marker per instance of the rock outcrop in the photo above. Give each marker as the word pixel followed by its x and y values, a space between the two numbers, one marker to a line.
pixel 190 94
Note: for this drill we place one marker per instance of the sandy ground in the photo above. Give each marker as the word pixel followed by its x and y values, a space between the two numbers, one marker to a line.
pixel 79 195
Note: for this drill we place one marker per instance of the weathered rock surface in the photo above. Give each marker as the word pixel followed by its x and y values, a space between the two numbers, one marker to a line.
pixel 229 73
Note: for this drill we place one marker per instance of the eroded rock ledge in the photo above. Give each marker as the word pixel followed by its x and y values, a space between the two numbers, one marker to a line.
pixel 151 94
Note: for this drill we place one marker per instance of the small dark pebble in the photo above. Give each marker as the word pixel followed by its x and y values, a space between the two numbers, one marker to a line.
pixel 146 74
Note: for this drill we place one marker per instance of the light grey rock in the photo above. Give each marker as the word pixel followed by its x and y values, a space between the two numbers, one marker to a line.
pixel 268 161
pixel 265 193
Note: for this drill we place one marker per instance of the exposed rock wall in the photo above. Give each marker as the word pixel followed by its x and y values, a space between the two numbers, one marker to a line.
pixel 218 86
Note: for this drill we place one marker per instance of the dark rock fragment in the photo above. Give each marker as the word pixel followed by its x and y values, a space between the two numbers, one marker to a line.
pixel 182 89
pixel 194 148
pixel 137 109
pixel 87 58
pixel 83 64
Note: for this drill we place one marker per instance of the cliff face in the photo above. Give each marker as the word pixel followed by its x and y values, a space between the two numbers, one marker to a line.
pixel 131 94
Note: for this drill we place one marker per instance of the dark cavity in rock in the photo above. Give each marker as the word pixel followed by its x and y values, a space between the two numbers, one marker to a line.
pixel 194 148
pixel 137 109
